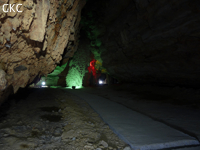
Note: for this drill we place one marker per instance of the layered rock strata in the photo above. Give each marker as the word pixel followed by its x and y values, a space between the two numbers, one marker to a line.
pixel 32 42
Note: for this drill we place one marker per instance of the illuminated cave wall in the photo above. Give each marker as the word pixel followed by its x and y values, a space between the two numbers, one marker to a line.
pixel 78 66
pixel 90 43
pixel 93 32
pixel 52 78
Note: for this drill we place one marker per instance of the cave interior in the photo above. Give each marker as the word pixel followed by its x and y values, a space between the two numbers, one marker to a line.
pixel 141 54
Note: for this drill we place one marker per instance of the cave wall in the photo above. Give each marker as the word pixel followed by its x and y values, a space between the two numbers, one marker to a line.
pixel 32 42
pixel 151 41
pixel 145 41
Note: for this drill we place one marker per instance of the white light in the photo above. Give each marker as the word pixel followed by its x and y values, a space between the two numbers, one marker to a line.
pixel 100 82
pixel 43 83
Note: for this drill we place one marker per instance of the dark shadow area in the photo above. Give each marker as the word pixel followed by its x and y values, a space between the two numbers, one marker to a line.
pixel 50 109
pixel 21 94
pixel 51 118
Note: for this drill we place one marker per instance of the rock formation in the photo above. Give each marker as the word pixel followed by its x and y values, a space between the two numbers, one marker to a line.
pixel 149 41
pixel 32 42
pixel 145 41
pixel 78 65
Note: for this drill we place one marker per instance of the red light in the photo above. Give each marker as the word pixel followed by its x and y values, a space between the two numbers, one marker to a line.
pixel 91 68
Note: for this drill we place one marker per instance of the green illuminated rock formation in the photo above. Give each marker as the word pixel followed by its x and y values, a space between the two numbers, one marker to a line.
pixel 52 78
pixel 78 66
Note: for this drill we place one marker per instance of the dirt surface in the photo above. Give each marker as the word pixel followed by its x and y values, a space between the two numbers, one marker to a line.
pixel 53 119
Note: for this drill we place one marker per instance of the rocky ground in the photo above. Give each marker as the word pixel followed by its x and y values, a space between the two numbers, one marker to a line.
pixel 53 119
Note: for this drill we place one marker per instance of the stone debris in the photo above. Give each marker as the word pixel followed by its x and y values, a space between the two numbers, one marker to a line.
pixel 104 143
pixel 81 128
pixel 127 148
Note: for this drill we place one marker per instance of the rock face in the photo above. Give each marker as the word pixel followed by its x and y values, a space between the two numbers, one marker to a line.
pixel 151 41
pixel 32 42
pixel 3 80
pixel 146 41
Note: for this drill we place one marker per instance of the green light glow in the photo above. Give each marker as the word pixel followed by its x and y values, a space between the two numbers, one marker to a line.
pixel 70 88
pixel 74 77
pixel 55 87
pixel 58 70
pixel 78 66
pixel 78 87
pixel 52 78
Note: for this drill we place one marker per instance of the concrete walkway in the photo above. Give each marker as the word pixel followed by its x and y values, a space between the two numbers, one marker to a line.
pixel 138 130
pixel 181 117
